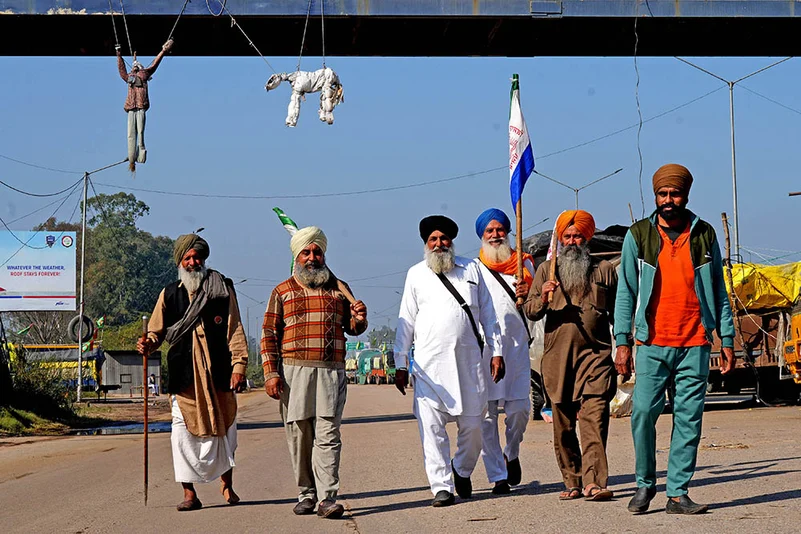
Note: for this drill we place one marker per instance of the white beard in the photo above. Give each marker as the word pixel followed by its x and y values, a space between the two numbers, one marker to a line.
pixel 440 262
pixel 498 254
pixel 192 279
pixel 574 269
pixel 312 277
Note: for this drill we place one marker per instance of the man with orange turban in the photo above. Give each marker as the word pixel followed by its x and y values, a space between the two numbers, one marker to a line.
pixel 577 365
pixel 671 277
pixel 497 264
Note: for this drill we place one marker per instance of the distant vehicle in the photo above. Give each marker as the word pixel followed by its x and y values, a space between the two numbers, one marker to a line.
pixel 375 366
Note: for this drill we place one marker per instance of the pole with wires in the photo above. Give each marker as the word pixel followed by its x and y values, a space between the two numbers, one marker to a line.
pixel 736 225
pixel 83 270
pixel 731 84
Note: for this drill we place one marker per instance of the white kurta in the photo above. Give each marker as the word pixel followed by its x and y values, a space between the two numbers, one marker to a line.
pixel 516 384
pixel 448 366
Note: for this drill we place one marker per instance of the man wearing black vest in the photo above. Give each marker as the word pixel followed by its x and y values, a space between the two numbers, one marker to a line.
pixel 198 316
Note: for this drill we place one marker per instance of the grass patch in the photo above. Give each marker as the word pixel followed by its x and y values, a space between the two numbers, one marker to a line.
pixel 15 422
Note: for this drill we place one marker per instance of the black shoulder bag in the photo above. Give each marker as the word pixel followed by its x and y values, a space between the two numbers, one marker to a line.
pixel 465 307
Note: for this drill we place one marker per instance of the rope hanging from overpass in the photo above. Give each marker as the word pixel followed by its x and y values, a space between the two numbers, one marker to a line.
pixel 306 26
pixel 234 23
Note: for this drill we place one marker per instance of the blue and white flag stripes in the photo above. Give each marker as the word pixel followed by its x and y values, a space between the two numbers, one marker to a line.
pixel 521 156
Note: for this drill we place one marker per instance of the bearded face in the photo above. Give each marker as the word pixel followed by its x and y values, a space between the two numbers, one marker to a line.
pixel 496 249
pixel 311 273
pixel 192 276
pixel 440 259
pixel 574 263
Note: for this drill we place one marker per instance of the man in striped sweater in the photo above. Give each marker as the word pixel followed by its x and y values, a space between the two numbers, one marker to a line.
pixel 303 356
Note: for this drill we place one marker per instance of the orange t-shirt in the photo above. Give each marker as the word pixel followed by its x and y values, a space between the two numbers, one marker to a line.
pixel 674 313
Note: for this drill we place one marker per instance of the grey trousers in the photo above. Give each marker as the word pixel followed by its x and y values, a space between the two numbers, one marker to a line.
pixel 315 443
pixel 136 136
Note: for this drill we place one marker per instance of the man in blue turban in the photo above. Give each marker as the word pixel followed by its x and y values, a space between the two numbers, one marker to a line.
pixel 497 264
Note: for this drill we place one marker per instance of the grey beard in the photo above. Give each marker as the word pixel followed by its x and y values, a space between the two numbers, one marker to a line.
pixel 314 277
pixel 498 254
pixel 574 269
pixel 192 279
pixel 440 262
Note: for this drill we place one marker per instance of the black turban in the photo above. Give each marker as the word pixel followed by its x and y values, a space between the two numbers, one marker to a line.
pixel 438 222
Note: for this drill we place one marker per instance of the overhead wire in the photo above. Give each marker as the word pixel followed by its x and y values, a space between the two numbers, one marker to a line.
pixel 637 100
pixel 40 195
pixel 313 195
pixel 776 102
pixel 25 244
pixel 36 166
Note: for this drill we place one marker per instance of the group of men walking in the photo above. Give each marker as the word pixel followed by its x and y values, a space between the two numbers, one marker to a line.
pixel 468 324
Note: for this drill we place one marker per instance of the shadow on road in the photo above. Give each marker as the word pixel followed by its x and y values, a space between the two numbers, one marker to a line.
pixel 347 421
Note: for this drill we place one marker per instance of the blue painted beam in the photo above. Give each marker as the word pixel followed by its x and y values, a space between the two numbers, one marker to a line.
pixel 519 28
pixel 424 8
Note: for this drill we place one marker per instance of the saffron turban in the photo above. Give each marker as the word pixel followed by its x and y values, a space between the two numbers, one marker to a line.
pixel 673 175
pixel 582 220
pixel 486 217
pixel 305 237
pixel 188 242
pixel 438 222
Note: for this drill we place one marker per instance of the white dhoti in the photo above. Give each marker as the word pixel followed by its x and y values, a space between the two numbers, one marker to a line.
pixel 517 413
pixel 431 419
pixel 199 459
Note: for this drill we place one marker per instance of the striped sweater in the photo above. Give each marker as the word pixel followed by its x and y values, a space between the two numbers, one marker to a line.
pixel 306 327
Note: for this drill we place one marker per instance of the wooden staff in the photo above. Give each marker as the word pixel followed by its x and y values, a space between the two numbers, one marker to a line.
pixel 552 270
pixel 519 244
pixel 727 262
pixel 343 288
pixel 145 391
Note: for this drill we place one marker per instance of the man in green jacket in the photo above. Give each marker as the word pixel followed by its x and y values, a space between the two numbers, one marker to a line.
pixel 671 283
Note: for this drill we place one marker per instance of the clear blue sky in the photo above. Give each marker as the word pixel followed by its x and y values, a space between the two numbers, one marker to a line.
pixel 213 129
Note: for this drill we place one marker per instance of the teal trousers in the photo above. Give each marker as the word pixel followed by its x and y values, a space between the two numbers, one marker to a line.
pixel 688 367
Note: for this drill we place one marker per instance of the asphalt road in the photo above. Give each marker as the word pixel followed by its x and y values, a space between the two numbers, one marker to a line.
pixel 748 471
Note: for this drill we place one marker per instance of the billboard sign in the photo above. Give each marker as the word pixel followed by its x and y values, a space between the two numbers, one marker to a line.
pixel 39 275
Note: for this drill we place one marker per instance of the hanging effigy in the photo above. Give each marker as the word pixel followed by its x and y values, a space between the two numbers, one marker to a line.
pixel 325 81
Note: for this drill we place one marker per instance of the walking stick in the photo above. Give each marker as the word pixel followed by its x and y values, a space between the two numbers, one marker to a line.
pixel 145 392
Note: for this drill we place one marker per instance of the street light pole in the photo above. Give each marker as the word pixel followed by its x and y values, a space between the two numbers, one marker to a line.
pixel 736 226
pixel 731 84
pixel 83 269
pixel 576 190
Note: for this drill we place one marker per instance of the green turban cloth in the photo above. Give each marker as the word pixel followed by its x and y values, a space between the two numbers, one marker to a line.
pixel 188 242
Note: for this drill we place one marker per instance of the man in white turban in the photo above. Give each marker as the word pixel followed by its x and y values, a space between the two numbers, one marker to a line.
pixel 303 356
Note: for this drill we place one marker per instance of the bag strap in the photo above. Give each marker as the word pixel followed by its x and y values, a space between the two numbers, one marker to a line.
pixel 512 296
pixel 465 307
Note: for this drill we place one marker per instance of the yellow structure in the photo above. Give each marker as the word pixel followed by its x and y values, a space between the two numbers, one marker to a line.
pixel 762 287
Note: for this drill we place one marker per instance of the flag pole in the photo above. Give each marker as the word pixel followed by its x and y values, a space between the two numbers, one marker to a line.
pixel 144 392
pixel 519 244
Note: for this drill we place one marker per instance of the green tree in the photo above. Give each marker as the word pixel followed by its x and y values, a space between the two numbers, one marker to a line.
pixel 126 268
pixel 382 334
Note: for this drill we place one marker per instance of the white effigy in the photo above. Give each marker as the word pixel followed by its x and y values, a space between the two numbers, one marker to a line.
pixel 325 81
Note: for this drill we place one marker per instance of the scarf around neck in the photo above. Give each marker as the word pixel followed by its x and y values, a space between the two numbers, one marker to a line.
pixel 212 287
pixel 509 266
